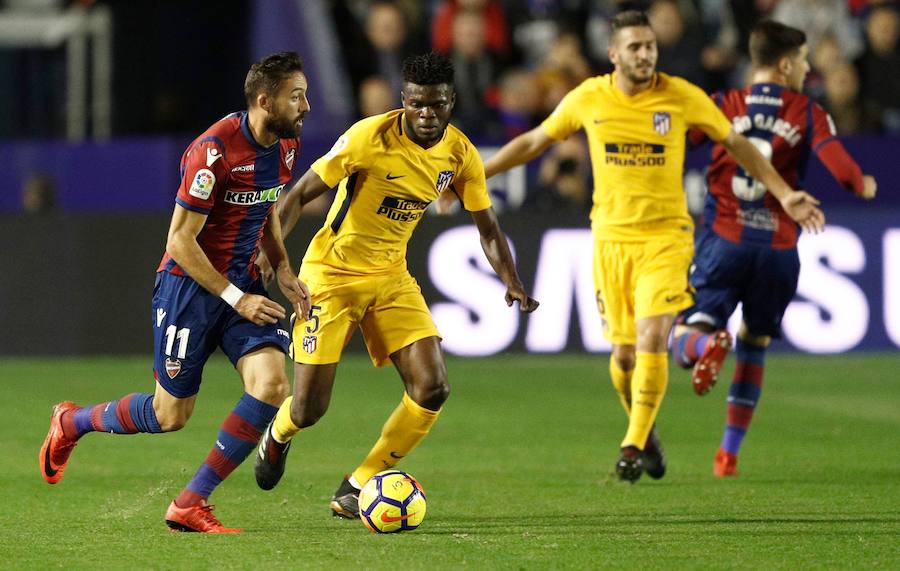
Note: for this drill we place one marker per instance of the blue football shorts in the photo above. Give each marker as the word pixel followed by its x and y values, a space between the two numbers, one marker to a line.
pixel 190 322
pixel 725 274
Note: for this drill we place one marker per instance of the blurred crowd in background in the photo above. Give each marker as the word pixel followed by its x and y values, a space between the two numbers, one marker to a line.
pixel 514 59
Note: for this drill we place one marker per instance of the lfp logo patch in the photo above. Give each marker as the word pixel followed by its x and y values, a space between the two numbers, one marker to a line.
pixel 203 184
pixel 662 122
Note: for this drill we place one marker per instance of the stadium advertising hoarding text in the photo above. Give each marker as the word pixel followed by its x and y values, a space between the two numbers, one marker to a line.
pixel 848 295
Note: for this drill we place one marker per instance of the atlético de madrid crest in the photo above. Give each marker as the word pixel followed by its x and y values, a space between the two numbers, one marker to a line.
pixel 662 122
pixel 443 180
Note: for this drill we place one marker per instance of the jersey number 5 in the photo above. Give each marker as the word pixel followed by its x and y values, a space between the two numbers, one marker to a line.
pixel 743 185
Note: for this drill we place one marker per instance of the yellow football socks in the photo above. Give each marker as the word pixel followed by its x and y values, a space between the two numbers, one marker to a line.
pixel 283 428
pixel 404 429
pixel 621 381
pixel 648 387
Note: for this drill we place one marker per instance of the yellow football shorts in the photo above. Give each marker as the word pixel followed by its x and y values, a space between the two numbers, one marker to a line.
pixel 640 279
pixel 389 310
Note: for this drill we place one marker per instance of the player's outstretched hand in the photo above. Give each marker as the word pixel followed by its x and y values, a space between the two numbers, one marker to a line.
pixel 803 208
pixel 294 290
pixel 265 268
pixel 870 187
pixel 517 293
pixel 259 309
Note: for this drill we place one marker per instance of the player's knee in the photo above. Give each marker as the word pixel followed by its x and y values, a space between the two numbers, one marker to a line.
pixel 273 390
pixel 305 413
pixel 624 357
pixel 433 393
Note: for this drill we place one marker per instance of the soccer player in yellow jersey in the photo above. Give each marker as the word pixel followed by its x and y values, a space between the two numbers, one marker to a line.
pixel 388 168
pixel 636 120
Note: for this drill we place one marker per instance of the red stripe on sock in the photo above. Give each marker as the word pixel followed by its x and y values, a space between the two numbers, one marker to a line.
pixel 221 465
pixel 748 373
pixel 739 416
pixel 240 428
pixel 97 417
pixel 123 414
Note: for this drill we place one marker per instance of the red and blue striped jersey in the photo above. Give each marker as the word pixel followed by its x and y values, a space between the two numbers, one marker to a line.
pixel 234 181
pixel 786 127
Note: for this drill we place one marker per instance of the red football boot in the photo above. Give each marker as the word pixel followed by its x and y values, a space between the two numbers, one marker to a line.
pixel 725 464
pixel 56 449
pixel 198 518
pixel 706 369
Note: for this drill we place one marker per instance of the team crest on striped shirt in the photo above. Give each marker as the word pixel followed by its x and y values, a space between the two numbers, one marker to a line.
pixel 662 122
pixel 443 180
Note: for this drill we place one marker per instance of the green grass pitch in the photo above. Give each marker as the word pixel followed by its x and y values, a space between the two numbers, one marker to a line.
pixel 517 473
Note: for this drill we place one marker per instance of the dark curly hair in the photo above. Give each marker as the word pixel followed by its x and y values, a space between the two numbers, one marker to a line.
pixel 265 75
pixel 428 69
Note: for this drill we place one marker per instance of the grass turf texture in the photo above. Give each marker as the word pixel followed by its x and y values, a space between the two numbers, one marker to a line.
pixel 517 473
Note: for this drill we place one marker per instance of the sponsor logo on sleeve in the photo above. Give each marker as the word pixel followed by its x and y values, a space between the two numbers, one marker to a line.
pixel 203 184
pixel 338 146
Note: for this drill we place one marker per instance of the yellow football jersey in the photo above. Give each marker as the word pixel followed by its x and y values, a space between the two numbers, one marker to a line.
pixel 386 183
pixel 637 147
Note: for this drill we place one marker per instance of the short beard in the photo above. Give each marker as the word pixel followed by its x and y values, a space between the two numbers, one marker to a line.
pixel 282 128
pixel 633 77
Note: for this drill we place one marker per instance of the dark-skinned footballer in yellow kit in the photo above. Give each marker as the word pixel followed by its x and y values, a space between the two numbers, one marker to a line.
pixel 388 168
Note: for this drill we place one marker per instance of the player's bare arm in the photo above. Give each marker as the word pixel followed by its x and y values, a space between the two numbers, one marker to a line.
pixel 290 204
pixel 518 151
pixel 272 245
pixel 182 245
pixel 799 205
pixel 496 249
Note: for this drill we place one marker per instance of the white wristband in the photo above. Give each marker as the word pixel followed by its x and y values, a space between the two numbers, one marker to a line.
pixel 232 294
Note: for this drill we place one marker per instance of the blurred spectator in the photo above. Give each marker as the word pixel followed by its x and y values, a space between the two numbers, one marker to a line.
pixel 378 46
pixel 842 98
pixel 538 23
pixel 562 68
pixel 823 59
pixel 39 194
pixel 879 70
pixel 680 47
pixel 821 18
pixel 496 31
pixel 377 97
pixel 519 102
pixel 563 178
pixel 475 69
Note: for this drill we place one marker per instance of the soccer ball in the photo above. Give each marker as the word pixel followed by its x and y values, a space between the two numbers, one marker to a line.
pixel 392 501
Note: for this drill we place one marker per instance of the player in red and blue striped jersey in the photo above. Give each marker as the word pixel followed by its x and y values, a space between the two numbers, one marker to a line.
pixel 747 251
pixel 209 293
